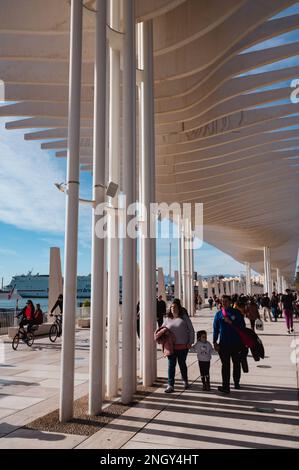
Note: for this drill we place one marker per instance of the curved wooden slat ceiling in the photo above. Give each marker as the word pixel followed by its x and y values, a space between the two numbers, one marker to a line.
pixel 220 140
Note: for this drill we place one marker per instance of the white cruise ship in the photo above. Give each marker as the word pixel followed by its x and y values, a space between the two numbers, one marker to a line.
pixel 37 285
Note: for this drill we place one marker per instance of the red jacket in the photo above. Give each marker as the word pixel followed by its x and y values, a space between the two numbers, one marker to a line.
pixel 165 337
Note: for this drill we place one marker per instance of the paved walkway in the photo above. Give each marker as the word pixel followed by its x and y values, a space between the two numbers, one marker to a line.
pixel 264 414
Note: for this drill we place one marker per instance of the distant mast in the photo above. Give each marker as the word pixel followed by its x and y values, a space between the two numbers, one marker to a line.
pixel 169 278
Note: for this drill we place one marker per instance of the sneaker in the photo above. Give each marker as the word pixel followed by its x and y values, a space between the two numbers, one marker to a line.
pixel 223 390
pixel 289 332
pixel 237 386
pixel 169 389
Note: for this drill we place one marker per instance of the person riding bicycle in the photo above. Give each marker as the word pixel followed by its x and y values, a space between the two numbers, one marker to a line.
pixel 58 303
pixel 27 314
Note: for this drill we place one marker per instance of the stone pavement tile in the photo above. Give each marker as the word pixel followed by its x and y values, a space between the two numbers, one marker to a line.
pixel 215 435
pixel 132 444
pixel 38 392
pixel 120 430
pixel 12 380
pixel 40 374
pixel 6 412
pixel 17 402
pixel 55 383
pixel 31 439
pixel 108 440
pixel 15 389
pixel 8 371
pixel 137 443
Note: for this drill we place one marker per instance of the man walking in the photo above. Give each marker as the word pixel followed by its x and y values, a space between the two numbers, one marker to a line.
pixel 265 306
pixel 230 345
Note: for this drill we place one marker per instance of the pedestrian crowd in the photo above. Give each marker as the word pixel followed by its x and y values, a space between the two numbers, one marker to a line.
pixel 232 340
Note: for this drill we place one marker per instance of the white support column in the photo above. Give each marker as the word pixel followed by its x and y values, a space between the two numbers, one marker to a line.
pixel 210 293
pixel 147 302
pixel 187 265
pixel 248 278
pixel 283 284
pixel 112 225
pixel 178 294
pixel 221 287
pixel 183 264
pixel 192 276
pixel 216 287
pixel 176 285
pixel 72 210
pixel 228 287
pixel 161 284
pixel 97 362
pixel 129 187
pixel 266 284
pixel 55 278
pixel 200 287
pixel 153 255
pixel 267 271
pixel 278 277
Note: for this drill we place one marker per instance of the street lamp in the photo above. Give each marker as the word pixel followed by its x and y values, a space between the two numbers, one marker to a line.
pixel 111 190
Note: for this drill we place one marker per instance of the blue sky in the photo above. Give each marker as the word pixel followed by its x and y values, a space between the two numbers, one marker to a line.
pixel 32 210
pixel 32 214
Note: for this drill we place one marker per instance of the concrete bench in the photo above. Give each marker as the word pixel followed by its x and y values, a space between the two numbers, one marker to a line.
pixel 42 330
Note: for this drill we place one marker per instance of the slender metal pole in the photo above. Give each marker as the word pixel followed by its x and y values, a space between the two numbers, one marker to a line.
pixel 269 271
pixel 183 264
pixel 113 241
pixel 129 186
pixel 265 270
pixel 278 277
pixel 148 307
pixel 97 363
pixel 72 210
pixel 179 286
pixel 248 278
pixel 169 276
pixel 192 277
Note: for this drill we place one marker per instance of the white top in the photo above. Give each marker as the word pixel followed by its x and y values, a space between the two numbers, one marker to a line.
pixel 203 351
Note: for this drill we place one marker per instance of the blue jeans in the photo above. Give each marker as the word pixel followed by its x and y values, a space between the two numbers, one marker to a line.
pixel 181 357
pixel 274 312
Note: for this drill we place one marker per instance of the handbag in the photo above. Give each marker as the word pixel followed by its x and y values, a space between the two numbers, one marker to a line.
pixel 259 325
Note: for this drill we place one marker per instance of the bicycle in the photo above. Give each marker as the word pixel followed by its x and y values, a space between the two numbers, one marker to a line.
pixel 23 335
pixel 56 329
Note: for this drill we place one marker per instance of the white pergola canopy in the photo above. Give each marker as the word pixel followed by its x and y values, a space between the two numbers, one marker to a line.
pixel 214 127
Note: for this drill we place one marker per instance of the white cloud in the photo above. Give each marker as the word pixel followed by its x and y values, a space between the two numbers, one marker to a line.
pixel 28 197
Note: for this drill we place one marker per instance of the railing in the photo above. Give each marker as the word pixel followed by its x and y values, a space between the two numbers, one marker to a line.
pixel 7 319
